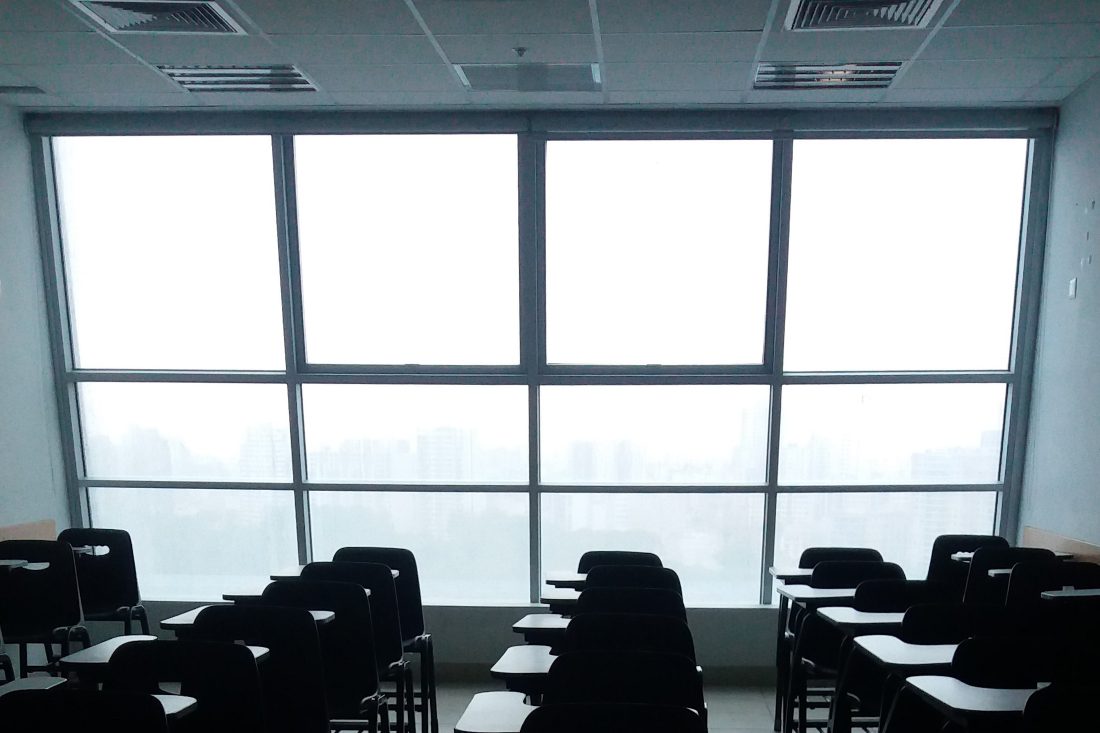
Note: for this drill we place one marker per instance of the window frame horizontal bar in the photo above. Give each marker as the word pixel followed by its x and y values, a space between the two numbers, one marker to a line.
pixel 993 377
pixel 887 488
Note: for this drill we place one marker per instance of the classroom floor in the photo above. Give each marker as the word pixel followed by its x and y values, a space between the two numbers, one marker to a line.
pixel 732 709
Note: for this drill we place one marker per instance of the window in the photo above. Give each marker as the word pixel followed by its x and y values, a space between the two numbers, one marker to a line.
pixel 503 348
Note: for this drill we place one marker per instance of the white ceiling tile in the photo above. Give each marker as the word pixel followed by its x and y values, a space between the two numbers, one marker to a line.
pixel 94 78
pixel 59 48
pixel 668 16
pixel 840 47
pixel 408 78
pixel 33 101
pixel 987 73
pixel 351 49
pixel 8 77
pixel 1047 94
pixel 398 99
pixel 1015 41
pixel 543 100
pixel 475 17
pixel 983 95
pixel 39 15
pixel 498 48
pixel 677 77
pixel 676 99
pixel 363 17
pixel 265 100
pixel 204 50
pixel 1023 12
pixel 1073 73
pixel 131 101
pixel 813 97
pixel 667 47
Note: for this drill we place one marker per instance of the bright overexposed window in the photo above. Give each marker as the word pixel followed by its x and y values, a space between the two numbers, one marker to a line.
pixel 903 254
pixel 171 252
pixel 409 248
pixel 657 251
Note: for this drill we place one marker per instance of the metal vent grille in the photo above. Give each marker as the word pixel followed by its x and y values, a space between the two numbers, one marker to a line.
pixel 530 77
pixel 821 15
pixel 826 76
pixel 277 78
pixel 166 16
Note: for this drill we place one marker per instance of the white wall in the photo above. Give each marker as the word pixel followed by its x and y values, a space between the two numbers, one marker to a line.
pixel 1062 472
pixel 32 485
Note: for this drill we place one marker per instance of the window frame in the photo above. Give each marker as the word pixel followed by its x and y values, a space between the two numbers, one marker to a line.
pixel 533 131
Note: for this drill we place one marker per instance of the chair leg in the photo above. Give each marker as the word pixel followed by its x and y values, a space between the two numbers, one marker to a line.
pixel 143 618
pixel 7 668
pixel 127 623
pixel 399 699
pixel 430 665
pixel 22 660
pixel 410 699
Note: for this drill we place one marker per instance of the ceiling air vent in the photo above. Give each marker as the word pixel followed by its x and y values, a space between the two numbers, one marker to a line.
pixel 530 77
pixel 826 76
pixel 277 78
pixel 847 15
pixel 166 16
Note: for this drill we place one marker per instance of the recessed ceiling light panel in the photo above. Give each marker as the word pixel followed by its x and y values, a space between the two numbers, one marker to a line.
pixel 530 77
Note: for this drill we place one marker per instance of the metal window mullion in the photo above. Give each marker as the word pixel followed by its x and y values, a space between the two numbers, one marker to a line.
pixel 282 148
pixel 777 310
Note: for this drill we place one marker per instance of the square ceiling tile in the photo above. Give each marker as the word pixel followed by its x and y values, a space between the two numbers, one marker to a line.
pixel 33 101
pixel 535 100
pixel 409 78
pixel 39 15
pixel 398 99
pixel 675 99
pixel 204 50
pixel 981 74
pixel 985 95
pixel 476 17
pixel 678 77
pixel 1015 41
pixel 80 47
pixel 351 49
pixel 843 46
pixel 813 97
pixel 132 101
pixel 1024 12
pixel 670 16
pixel 263 100
pixel 551 48
pixel 331 16
pixel 1047 94
pixel 96 78
pixel 1073 73
pixel 670 47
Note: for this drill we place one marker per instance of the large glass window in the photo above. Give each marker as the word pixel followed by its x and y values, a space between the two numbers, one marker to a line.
pixel 512 348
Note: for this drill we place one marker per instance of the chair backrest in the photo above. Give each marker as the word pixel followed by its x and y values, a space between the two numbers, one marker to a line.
pixel 633 576
pixel 951 623
pixel 612 718
pixel 81 711
pixel 107 581
pixel 221 676
pixel 293 676
pixel 632 600
pixel 384 611
pixel 611 632
pixel 625 677
pixel 850 573
pixel 980 588
pixel 347 643
pixel 592 558
pixel 1029 579
pixel 1061 706
pixel 943 569
pixel 34 602
pixel 896 596
pixel 811 556
pixel 408 582
pixel 999 661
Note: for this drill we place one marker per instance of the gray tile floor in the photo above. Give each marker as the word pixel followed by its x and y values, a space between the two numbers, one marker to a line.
pixel 732 709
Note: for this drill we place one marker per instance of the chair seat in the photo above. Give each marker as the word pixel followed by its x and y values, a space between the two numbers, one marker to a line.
pixel 494 712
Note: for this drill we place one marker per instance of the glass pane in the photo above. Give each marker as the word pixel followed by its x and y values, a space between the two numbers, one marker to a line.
pixel 196 544
pixel 171 251
pixel 903 254
pixel 891 434
pixel 195 432
pixel 409 248
pixel 657 251
pixel 471 548
pixel 380 433
pixel 902 526
pixel 712 541
pixel 655 435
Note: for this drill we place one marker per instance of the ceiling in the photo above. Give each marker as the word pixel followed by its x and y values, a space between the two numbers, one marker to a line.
pixel 651 54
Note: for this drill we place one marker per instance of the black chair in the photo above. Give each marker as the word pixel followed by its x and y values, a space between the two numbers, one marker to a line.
pixel 633 576
pixel 222 677
pixel 592 558
pixel 613 632
pixel 897 596
pixel 293 675
pixel 631 600
pixel 612 718
pixel 951 623
pixel 347 643
pixel 981 588
pixel 1062 706
pixel 811 556
pixel 41 605
pixel 108 582
pixel 86 711
pixel 1015 662
pixel 386 620
pixel 1028 580
pixel 415 639
pixel 625 677
pixel 942 569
